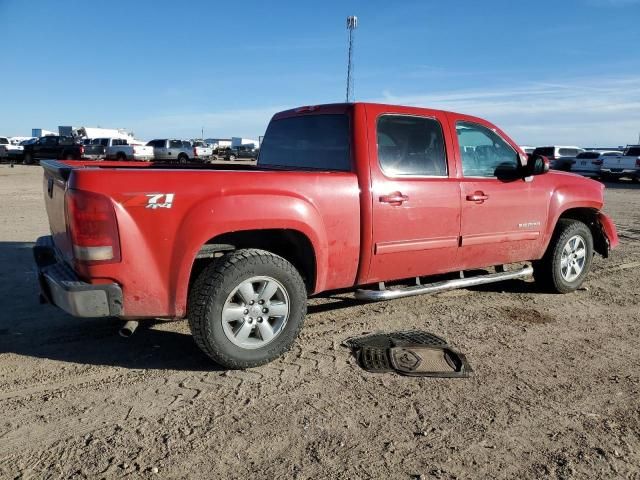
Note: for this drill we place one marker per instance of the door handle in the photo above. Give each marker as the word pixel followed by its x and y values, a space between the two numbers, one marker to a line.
pixel 478 197
pixel 395 198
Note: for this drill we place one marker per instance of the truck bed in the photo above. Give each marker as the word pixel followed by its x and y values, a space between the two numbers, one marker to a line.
pixel 166 213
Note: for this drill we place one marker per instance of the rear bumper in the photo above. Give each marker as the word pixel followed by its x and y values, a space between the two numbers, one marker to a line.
pixel 60 286
pixel 620 171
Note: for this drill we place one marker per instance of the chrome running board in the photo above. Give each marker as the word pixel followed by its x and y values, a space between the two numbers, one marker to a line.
pixel 436 287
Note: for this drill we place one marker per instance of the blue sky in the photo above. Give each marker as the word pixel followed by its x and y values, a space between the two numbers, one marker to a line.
pixel 564 72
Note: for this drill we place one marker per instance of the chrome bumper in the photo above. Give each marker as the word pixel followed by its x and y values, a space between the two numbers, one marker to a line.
pixel 60 286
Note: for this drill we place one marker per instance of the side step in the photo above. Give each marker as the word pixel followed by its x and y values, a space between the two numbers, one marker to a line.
pixel 436 287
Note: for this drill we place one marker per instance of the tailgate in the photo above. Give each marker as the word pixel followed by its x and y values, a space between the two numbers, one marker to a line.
pixel 94 151
pixel 143 150
pixel 55 179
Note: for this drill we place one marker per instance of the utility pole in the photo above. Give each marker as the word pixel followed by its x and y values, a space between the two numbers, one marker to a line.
pixel 352 24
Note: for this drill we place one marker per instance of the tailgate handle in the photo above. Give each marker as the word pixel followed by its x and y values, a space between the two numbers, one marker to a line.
pixel 50 187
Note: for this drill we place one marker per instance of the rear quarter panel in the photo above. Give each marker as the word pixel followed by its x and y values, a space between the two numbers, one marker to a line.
pixel 159 245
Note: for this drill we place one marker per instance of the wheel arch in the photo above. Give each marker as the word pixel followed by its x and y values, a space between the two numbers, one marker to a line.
pixel 591 218
pixel 290 244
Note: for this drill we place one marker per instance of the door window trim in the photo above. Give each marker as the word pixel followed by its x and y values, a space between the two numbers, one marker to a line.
pixel 409 175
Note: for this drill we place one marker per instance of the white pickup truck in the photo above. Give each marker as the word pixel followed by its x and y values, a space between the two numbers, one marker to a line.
pixel 201 151
pixel 122 149
pixel 625 165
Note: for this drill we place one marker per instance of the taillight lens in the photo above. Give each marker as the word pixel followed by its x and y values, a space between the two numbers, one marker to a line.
pixel 92 226
pixel 81 151
pixel 195 152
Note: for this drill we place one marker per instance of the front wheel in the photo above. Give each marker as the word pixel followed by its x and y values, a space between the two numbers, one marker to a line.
pixel 567 259
pixel 247 308
pixel 27 159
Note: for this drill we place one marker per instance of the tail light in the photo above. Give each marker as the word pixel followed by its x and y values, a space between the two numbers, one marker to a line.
pixel 92 227
pixel 637 162
pixel 195 152
pixel 81 151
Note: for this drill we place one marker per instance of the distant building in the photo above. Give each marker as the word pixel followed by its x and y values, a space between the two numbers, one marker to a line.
pixel 238 141
pixel 218 142
pixel 41 132
pixel 97 132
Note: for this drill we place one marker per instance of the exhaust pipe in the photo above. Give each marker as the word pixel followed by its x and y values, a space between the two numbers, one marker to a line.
pixel 128 329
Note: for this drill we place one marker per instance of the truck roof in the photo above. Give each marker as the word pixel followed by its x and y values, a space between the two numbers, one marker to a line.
pixel 344 107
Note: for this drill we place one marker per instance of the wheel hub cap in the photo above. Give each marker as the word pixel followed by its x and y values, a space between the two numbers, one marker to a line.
pixel 573 258
pixel 255 312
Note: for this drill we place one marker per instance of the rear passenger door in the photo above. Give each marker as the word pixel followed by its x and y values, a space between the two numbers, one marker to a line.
pixel 503 215
pixel 416 196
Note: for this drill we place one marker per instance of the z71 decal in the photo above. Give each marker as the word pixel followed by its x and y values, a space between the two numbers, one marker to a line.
pixel 159 200
pixel 150 200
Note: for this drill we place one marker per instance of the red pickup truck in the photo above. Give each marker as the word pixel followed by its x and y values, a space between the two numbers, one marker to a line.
pixel 342 196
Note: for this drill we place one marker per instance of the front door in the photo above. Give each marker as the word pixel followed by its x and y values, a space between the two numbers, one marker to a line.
pixel 503 214
pixel 416 197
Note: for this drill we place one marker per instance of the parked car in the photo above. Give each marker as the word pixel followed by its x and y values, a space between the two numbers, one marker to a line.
pixel 172 150
pixel 626 164
pixel 588 164
pixel 5 147
pixel 201 151
pixel 60 147
pixel 119 149
pixel 343 196
pixel 237 153
pixel 560 158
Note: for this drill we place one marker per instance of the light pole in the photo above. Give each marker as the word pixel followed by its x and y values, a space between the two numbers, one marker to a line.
pixel 352 24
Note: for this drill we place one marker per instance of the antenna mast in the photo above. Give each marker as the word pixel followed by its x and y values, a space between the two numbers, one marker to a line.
pixel 352 24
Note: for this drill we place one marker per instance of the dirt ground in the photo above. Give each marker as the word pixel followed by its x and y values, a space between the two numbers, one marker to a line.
pixel 555 392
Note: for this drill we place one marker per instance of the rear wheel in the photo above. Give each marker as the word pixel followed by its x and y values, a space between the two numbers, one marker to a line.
pixel 183 159
pixel 247 308
pixel 232 157
pixel 567 259
pixel 121 157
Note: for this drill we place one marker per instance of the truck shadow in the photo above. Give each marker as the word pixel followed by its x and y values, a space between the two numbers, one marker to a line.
pixel 43 331
pixel 30 329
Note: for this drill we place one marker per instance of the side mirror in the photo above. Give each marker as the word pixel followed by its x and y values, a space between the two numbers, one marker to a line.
pixel 536 165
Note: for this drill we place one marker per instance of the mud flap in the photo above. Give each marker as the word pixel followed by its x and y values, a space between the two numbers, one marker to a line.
pixel 412 353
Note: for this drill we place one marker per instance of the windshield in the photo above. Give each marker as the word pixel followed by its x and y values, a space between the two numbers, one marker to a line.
pixel 319 142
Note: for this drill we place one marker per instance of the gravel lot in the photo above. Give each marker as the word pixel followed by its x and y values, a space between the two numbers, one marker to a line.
pixel 554 395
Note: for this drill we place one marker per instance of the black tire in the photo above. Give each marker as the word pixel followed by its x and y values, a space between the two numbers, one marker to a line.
pixel 121 157
pixel 27 159
pixel 183 159
pixel 548 270
pixel 232 157
pixel 213 287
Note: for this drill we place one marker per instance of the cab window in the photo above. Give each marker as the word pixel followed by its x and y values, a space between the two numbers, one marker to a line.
pixel 409 145
pixel 484 153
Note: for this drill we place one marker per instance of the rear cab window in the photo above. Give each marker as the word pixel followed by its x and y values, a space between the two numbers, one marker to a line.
pixel 633 152
pixel 308 142
pixel 588 155
pixel 568 152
